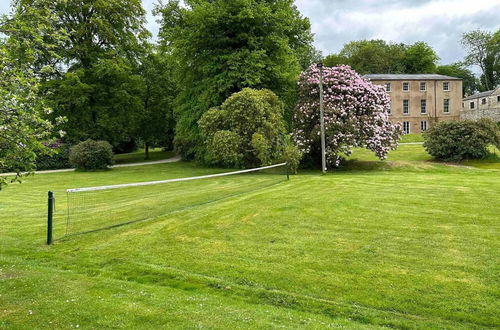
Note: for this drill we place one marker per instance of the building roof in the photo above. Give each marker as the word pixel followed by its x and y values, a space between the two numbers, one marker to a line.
pixel 479 95
pixel 482 94
pixel 430 76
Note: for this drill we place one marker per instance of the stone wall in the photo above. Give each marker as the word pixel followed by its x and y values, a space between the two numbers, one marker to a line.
pixel 493 114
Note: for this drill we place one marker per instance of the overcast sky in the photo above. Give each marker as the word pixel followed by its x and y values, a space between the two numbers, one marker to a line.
pixel 440 23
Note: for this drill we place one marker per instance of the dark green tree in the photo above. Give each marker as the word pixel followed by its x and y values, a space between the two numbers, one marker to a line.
pixel 378 56
pixel 460 70
pixel 97 87
pixel 155 126
pixel 221 47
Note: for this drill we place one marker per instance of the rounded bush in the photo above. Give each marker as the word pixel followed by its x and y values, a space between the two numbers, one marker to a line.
pixel 457 140
pixel 91 155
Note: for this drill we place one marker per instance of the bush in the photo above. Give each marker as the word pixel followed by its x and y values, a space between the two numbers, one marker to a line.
pixel 292 156
pixel 57 160
pixel 247 130
pixel 91 155
pixel 457 140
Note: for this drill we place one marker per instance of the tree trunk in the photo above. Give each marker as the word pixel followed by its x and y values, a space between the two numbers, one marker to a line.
pixel 146 150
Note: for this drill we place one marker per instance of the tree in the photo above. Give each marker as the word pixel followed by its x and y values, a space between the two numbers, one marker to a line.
pixel 22 52
pixel 246 130
pixel 483 50
pixel 356 115
pixel 420 58
pixel 459 70
pixel 156 123
pixel 221 47
pixel 97 86
pixel 377 56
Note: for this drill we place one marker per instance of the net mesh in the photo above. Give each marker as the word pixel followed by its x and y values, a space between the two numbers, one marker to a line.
pixel 96 208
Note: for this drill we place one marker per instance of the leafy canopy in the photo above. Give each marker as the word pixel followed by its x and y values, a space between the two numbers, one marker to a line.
pixel 221 47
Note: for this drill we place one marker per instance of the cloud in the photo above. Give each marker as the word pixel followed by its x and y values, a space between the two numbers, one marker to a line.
pixel 440 23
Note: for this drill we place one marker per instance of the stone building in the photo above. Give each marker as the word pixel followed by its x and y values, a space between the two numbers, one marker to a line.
pixel 418 101
pixel 482 105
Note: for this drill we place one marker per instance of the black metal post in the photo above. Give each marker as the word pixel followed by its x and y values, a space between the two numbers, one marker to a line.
pixel 50 214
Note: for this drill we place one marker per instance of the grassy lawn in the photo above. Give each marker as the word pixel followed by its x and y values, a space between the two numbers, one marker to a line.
pixel 407 243
pixel 138 156
pixel 409 138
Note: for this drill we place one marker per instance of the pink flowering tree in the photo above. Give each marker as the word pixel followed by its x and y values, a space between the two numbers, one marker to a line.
pixel 356 114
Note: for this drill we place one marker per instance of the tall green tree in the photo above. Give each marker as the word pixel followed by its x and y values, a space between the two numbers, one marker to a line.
pixel 221 47
pixel 155 125
pixel 483 50
pixel 24 47
pixel 97 87
pixel 470 82
pixel 419 58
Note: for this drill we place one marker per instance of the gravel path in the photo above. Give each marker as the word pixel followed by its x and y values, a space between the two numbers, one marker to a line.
pixel 169 160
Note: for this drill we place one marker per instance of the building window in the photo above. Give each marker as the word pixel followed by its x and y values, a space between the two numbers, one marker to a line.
pixel 406 87
pixel 406 107
pixel 446 105
pixel 423 125
pixel 498 99
pixel 472 105
pixel 446 86
pixel 423 86
pixel 406 127
pixel 483 101
pixel 387 87
pixel 389 111
pixel 423 106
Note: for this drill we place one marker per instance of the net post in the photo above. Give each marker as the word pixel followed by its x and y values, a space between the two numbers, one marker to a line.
pixel 287 171
pixel 50 214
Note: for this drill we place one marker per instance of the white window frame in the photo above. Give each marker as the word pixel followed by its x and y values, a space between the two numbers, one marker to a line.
pixel 406 127
pixel 406 84
pixel 446 105
pixel 472 105
pixel 424 126
pixel 424 84
pixel 446 86
pixel 407 107
pixel 423 106
pixel 388 87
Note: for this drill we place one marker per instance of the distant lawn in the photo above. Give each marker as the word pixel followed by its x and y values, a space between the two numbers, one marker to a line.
pixel 138 156
pixel 407 243
pixel 409 138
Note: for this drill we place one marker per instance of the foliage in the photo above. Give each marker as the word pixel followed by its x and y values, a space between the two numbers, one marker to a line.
pixel 470 83
pixel 377 56
pixel 247 130
pixel 91 155
pixel 221 47
pixel 483 50
pixel 57 159
pixel 292 156
pixel 156 123
pixel 23 46
pixel 356 115
pixel 457 140
pixel 96 85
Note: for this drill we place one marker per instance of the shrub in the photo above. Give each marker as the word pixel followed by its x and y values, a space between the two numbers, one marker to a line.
pixel 91 155
pixel 246 130
pixel 292 156
pixel 457 140
pixel 356 114
pixel 56 160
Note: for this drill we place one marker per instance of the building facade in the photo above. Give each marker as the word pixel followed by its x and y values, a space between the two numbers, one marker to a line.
pixel 482 105
pixel 418 101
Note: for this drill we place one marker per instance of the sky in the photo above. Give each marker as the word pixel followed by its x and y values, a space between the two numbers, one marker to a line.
pixel 440 23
